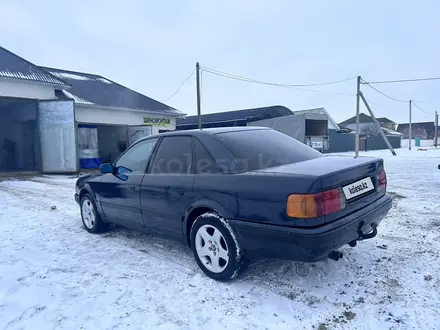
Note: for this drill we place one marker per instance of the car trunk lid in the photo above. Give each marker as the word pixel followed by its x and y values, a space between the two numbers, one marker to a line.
pixel 357 178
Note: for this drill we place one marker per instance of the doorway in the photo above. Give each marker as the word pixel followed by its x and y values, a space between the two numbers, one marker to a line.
pixel 19 143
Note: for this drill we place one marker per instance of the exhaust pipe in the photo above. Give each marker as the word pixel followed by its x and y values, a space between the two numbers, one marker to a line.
pixel 335 255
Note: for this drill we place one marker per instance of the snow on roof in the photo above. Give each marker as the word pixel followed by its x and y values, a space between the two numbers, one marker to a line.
pixel 27 76
pixel 368 128
pixel 14 67
pixel 388 131
pixel 78 76
pixel 104 80
pixel 92 89
pixel 66 75
pixel 75 98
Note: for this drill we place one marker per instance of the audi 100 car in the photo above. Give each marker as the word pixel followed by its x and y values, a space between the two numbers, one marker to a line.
pixel 234 194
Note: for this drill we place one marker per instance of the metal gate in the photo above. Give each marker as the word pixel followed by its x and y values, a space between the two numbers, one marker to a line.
pixel 56 126
pixel 135 133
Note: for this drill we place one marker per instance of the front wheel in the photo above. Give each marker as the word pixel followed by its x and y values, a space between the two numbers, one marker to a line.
pixel 90 217
pixel 216 248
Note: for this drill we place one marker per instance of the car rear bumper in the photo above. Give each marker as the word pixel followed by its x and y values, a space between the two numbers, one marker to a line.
pixel 77 198
pixel 308 244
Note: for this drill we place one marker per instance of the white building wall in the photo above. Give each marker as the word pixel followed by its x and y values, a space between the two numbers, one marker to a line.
pixel 26 90
pixel 88 115
pixel 423 143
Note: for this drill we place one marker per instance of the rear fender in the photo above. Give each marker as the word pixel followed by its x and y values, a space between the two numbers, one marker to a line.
pixel 204 203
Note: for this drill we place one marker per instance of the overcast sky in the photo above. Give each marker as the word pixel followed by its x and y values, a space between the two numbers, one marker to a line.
pixel 152 46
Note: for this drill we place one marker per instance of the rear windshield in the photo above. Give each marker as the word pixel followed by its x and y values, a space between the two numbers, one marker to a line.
pixel 260 149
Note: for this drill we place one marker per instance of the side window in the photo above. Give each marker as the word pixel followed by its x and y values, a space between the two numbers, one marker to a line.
pixel 174 156
pixel 204 162
pixel 136 157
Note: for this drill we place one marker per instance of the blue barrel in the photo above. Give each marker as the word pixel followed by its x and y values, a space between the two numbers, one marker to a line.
pixel 417 141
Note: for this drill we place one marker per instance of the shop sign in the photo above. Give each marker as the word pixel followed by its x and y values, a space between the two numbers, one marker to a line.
pixel 154 121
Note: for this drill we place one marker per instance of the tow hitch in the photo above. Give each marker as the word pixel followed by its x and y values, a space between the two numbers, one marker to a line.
pixel 363 236
pixel 336 255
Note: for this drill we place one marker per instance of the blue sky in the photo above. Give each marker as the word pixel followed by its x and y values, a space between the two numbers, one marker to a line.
pixel 152 46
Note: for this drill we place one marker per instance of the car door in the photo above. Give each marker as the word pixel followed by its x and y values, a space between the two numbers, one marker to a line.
pixel 120 192
pixel 168 188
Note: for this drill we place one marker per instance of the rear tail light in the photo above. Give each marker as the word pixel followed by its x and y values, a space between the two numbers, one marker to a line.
pixel 315 205
pixel 381 181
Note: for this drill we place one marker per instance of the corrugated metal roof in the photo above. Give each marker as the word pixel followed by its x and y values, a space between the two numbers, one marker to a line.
pixel 428 126
pixel 424 124
pixel 94 90
pixel 236 115
pixel 14 67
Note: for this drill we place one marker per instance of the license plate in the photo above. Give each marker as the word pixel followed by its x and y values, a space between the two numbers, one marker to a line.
pixel 317 144
pixel 358 188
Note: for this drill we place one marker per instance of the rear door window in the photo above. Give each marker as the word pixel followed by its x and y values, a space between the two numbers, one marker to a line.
pixel 173 156
pixel 204 163
pixel 260 149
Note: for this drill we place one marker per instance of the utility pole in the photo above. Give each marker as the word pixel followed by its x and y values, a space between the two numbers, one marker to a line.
pixel 436 129
pixel 410 132
pixel 377 124
pixel 199 114
pixel 358 92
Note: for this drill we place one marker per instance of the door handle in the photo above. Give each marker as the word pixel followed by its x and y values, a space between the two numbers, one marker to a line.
pixel 132 187
pixel 180 191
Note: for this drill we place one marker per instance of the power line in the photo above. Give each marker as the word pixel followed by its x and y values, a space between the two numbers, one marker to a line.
pixel 377 105
pixel 276 84
pixel 235 77
pixel 181 85
pixel 402 80
pixel 428 113
pixel 390 97
pixel 430 103
pixel 397 100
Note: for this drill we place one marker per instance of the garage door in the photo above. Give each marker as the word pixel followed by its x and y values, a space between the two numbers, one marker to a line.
pixel 56 123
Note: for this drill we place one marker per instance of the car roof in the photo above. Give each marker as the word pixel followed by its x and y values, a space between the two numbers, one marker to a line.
pixel 208 131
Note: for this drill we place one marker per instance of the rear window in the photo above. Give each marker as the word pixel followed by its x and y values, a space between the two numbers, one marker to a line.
pixel 260 149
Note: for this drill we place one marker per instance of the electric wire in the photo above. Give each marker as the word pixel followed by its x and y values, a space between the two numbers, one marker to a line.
pixel 235 77
pixel 402 80
pixel 181 85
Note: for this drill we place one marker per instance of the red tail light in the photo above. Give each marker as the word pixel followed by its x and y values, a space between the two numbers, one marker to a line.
pixel 316 205
pixel 382 181
pixel 333 201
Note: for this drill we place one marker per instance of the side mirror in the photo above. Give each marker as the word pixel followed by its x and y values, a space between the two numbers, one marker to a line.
pixel 122 169
pixel 106 168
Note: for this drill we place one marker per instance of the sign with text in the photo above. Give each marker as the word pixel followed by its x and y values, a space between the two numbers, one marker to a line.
pixel 154 121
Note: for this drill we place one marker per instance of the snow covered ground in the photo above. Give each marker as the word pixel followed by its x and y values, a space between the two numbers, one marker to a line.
pixel 54 275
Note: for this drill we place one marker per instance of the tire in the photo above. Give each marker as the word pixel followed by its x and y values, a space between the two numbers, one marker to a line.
pixel 90 216
pixel 215 247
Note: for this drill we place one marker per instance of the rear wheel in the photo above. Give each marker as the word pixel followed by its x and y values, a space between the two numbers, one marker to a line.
pixel 216 248
pixel 90 217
